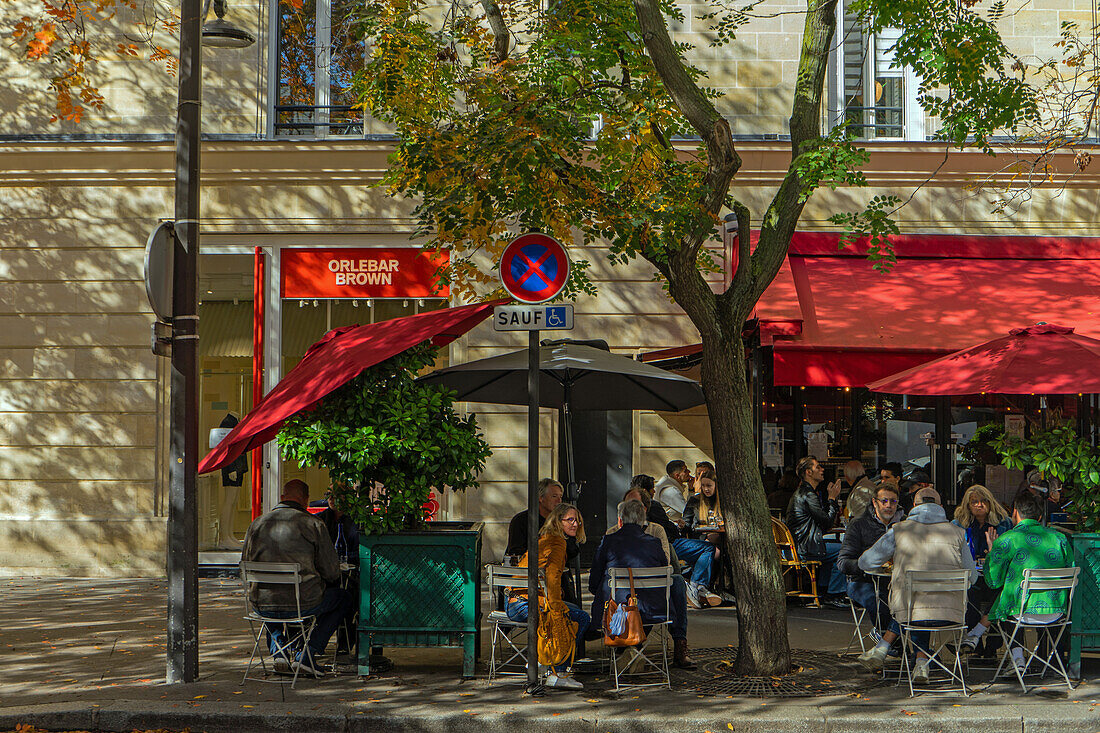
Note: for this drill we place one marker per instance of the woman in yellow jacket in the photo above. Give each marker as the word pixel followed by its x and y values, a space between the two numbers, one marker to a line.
pixel 564 521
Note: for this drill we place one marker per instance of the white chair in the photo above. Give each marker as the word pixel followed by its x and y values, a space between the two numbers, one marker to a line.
pixel 1040 581
pixel 643 664
pixel 296 629
pixel 943 583
pixel 508 650
pixel 859 615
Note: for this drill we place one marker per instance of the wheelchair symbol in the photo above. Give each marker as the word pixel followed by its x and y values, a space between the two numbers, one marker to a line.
pixel 553 317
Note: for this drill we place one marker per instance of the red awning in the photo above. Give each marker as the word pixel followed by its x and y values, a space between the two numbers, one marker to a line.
pixel 835 322
pixel 859 325
pixel 340 356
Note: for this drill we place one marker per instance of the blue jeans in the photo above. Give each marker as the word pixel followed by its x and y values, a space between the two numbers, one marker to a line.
pixel 517 611
pixel 830 580
pixel 336 605
pixel 678 599
pixel 863 593
pixel 700 555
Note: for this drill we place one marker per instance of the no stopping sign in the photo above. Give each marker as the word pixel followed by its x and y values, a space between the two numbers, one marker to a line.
pixel 534 268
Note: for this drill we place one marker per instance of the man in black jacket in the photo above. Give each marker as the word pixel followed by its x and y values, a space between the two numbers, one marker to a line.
pixel 808 518
pixel 864 531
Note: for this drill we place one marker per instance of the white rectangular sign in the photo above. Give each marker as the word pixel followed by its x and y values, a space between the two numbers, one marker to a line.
pixel 533 318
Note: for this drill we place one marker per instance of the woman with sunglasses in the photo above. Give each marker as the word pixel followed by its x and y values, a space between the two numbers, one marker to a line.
pixel 864 531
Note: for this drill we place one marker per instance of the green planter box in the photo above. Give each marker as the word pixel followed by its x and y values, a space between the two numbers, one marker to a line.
pixel 421 589
pixel 1085 630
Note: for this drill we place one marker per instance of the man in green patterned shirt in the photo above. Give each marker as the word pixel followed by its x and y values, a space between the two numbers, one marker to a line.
pixel 1028 545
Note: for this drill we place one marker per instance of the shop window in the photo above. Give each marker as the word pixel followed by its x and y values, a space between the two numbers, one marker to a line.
pixel 319 54
pixel 867 90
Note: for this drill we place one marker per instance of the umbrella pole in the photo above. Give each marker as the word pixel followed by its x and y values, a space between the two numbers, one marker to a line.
pixel 574 492
pixel 533 683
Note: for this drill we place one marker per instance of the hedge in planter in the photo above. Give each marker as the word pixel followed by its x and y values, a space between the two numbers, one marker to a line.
pixel 419 583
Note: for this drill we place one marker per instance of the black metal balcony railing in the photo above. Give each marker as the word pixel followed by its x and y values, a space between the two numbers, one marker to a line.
pixel 304 119
pixel 880 127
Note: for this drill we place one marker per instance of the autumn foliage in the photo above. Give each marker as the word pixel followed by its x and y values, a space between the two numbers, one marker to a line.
pixel 72 36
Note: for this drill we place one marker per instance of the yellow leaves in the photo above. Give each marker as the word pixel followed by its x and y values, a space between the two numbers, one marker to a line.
pixel 43 40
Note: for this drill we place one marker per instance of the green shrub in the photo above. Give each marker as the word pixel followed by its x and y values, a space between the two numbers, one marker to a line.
pixel 383 427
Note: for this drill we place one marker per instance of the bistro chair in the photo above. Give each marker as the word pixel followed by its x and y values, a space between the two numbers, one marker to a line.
pixel 859 615
pixel 944 583
pixel 793 565
pixel 508 649
pixel 1040 581
pixel 641 662
pixel 296 629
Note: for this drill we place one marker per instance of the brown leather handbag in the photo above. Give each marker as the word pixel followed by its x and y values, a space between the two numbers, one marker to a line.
pixel 624 616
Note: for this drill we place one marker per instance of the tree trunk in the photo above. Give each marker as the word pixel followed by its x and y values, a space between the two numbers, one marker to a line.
pixel 763 648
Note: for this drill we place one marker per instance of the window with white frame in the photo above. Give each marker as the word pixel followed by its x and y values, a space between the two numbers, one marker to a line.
pixel 867 90
pixel 316 59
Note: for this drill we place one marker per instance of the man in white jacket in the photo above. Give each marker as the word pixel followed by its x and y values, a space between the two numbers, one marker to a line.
pixel 924 541
pixel 670 490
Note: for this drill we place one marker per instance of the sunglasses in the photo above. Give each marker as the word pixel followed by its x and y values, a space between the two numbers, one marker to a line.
pixel 571 520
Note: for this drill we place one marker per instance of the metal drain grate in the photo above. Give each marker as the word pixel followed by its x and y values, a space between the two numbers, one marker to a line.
pixel 819 674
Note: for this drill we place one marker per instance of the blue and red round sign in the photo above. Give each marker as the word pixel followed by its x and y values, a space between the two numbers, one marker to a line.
pixel 534 268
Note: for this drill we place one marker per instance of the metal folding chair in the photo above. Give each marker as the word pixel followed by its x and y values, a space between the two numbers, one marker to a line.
pixel 296 629
pixel 1040 581
pixel 859 615
pixel 643 664
pixel 508 650
pixel 943 582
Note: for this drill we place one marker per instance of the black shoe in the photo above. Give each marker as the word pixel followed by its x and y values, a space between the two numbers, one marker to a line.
pixel 593 634
pixel 836 602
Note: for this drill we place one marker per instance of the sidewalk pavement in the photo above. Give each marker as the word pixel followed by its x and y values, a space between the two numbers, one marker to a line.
pixel 80 654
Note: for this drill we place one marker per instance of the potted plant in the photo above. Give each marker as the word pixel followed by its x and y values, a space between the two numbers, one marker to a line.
pixel 1061 453
pixel 387 442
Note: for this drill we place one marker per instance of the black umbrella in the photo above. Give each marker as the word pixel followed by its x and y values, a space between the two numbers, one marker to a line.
pixel 573 376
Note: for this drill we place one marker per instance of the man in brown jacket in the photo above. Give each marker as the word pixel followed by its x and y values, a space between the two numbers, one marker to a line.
pixel 924 541
pixel 288 533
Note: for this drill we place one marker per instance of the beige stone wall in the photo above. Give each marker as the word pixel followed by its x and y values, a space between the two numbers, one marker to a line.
pixel 78 384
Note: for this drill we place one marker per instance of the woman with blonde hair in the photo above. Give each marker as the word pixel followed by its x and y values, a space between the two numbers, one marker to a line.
pixel 564 521
pixel 983 518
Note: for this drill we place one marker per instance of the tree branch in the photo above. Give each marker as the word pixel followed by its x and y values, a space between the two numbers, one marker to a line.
pixel 502 38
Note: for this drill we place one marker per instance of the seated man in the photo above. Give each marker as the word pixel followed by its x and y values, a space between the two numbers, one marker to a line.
pixel 550 495
pixel 924 541
pixel 809 517
pixel 699 554
pixel 288 533
pixel 631 547
pixel 672 488
pixel 1028 545
pixel 863 532
pixel 860 489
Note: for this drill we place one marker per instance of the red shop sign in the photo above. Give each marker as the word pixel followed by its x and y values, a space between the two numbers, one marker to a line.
pixel 367 272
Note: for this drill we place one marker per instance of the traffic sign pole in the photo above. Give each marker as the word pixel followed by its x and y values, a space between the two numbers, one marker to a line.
pixel 533 268
pixel 533 681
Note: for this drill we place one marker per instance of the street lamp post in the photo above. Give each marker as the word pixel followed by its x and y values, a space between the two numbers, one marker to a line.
pixel 183 555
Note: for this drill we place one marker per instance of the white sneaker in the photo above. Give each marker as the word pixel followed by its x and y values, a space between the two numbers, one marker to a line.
pixel 693 596
pixel 565 683
pixel 920 672
pixel 873 659
pixel 712 599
